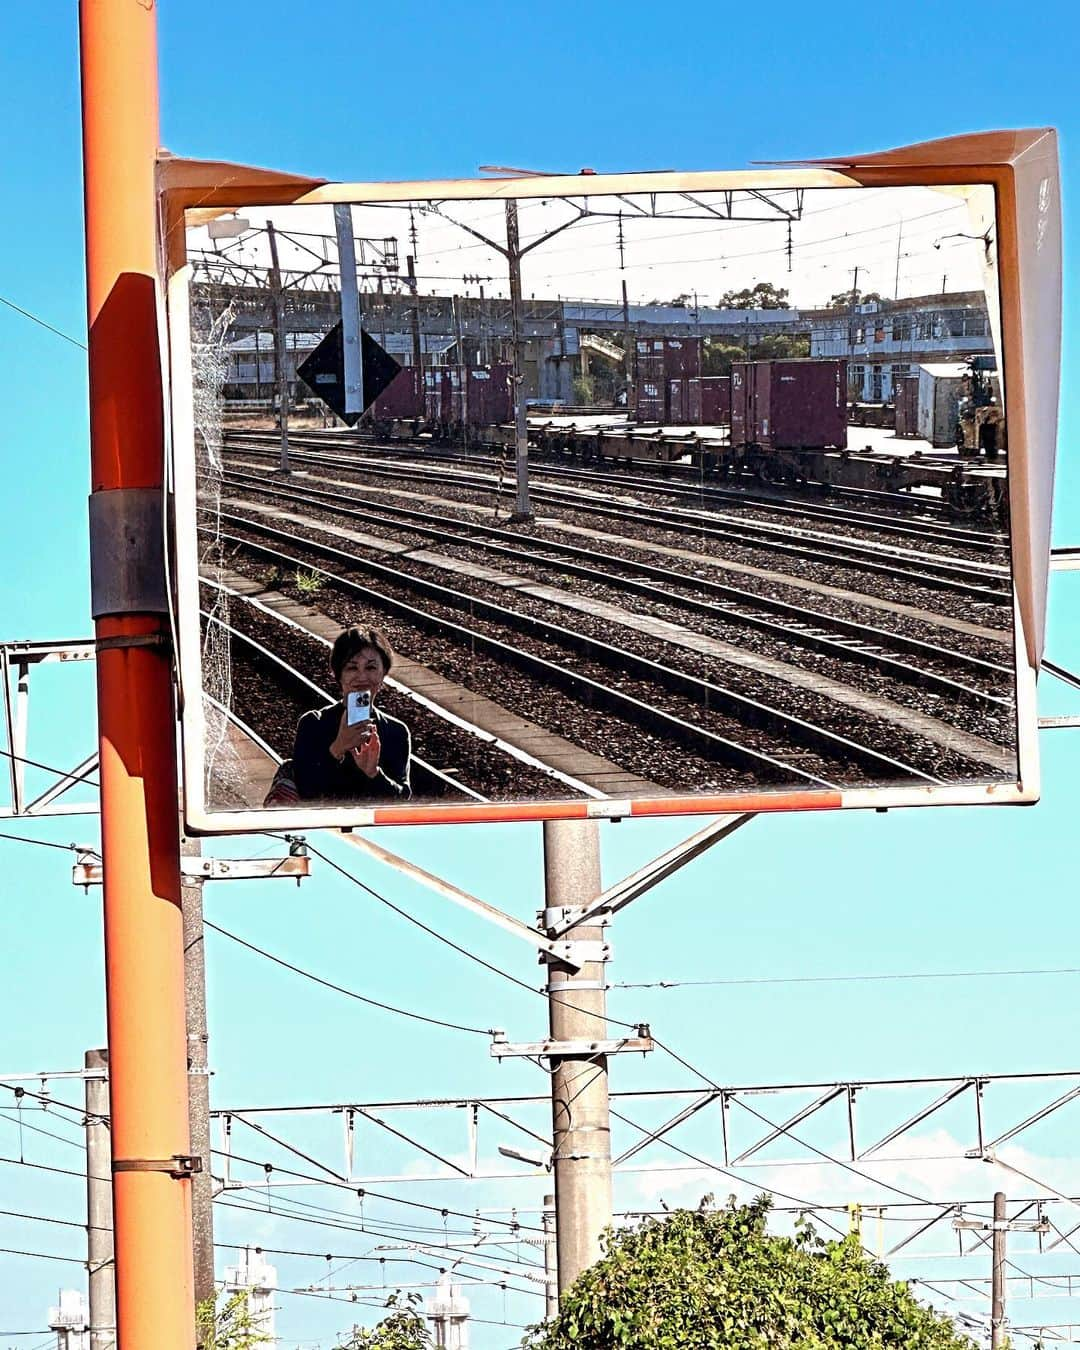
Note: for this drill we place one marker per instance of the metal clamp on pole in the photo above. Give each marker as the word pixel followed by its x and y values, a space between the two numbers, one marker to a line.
pixel 180 1165
pixel 127 553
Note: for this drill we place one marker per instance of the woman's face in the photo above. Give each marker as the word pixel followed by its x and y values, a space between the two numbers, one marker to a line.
pixel 363 672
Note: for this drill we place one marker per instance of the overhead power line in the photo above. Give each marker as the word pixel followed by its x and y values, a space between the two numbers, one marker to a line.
pixel 35 319
pixel 844 979
pixel 340 989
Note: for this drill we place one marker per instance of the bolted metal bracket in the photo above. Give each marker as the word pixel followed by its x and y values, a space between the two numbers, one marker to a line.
pixel 577 954
pixel 127 552
pixel 179 1165
pixel 294 867
pixel 502 1049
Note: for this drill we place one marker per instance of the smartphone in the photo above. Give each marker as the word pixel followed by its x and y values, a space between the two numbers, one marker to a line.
pixel 358 707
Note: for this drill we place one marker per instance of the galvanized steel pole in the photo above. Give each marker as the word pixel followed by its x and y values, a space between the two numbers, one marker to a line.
pixel 144 951
pixel 577 1003
pixel 551 1276
pixel 277 300
pixel 99 1209
pixel 522 507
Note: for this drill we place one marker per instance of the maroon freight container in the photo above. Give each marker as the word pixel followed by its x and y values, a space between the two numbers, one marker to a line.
pixel 906 391
pixel 400 398
pixel 648 400
pixel 715 400
pixel 682 356
pixel 684 401
pixel 789 405
pixel 487 399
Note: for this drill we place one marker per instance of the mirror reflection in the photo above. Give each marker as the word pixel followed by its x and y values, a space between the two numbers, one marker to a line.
pixel 601 496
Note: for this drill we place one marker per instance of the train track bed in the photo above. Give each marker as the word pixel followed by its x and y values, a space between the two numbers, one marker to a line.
pixel 980 597
pixel 635 539
pixel 990 717
pixel 698 698
pixel 756 591
pixel 265 699
pixel 926 532
pixel 789 526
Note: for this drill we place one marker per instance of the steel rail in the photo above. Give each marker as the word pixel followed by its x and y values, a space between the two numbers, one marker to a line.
pixel 802 626
pixel 938 576
pixel 982 541
pixel 825 742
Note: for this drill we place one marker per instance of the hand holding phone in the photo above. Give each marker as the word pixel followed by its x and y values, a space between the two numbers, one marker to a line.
pixel 358 707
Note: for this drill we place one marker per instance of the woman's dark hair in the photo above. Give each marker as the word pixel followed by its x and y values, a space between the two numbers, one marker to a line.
pixel 353 640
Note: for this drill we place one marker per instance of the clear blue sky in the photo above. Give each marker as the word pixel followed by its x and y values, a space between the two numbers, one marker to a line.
pixel 344 91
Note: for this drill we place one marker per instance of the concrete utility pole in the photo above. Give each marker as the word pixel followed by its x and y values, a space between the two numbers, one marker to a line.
pixel 277 301
pixel 999 1228
pixel 414 320
pixel 99 1207
pixel 522 506
pixel 551 1274
pixel 997 1279
pixel 577 1002
pixel 202 1194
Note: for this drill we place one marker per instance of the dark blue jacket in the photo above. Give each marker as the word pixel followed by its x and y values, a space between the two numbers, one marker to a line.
pixel 319 776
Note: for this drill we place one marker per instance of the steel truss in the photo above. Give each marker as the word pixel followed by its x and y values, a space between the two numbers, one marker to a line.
pixel 17 661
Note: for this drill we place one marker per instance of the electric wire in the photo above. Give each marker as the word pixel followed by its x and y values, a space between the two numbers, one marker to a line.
pixel 844 979
pixel 25 1125
pixel 463 951
pixel 47 843
pixel 27 315
pixel 50 768
pixel 340 989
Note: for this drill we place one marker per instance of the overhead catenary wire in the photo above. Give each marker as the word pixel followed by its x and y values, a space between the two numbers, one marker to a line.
pixel 81 849
pixel 341 989
pixel 844 979
pixel 27 314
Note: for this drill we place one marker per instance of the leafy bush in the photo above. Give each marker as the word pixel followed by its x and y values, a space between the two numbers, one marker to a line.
pixel 716 1278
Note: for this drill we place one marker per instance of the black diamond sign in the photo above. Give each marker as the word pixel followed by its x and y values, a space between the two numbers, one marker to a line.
pixel 324 372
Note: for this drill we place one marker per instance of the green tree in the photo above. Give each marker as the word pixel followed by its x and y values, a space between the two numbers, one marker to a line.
pixel 227 1323
pixel 403 1329
pixel 718 1279
pixel 848 299
pixel 717 357
pixel 762 296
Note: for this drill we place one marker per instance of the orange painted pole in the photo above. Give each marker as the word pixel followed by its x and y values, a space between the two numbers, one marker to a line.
pixel 144 968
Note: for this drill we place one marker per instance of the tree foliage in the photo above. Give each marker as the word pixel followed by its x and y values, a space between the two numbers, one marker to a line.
pixel 227 1323
pixel 718 357
pixel 849 299
pixel 717 1278
pixel 403 1329
pixel 762 296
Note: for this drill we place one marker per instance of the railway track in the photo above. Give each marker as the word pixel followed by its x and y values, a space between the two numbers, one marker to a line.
pixel 271 711
pixel 969 678
pixel 697 489
pixel 774 730
pixel 990 583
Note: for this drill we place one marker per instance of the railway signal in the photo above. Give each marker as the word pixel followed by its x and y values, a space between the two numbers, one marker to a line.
pixel 324 373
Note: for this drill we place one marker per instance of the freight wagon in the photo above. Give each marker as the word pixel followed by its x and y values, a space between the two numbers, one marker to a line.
pixel 454 403
pixel 780 410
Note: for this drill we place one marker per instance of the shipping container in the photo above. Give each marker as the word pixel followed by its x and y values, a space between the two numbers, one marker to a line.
pixel 940 390
pixel 684 402
pixel 489 398
pixel 400 398
pixel 649 400
pixel 681 356
pixel 906 390
pixel 789 405
pixel 716 400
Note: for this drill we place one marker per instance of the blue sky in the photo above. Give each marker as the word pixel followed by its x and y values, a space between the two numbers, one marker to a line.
pixel 345 91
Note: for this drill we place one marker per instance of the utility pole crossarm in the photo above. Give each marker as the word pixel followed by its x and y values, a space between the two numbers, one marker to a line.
pixel 659 869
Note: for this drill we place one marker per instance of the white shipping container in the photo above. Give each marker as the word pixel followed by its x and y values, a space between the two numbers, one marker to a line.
pixel 940 390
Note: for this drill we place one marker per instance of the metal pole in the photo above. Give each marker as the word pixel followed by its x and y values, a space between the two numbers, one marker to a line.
pixel 277 300
pixel 522 507
pixel 551 1286
pixel 99 1209
pixel 351 341
pixel 144 938
pixel 202 1195
pixel 417 348
pixel 997 1294
pixel 579 1083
